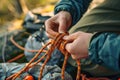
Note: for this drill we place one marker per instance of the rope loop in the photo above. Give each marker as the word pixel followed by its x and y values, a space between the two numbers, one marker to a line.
pixel 57 42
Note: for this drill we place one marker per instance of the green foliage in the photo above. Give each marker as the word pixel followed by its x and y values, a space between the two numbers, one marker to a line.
pixel 37 3
pixel 9 6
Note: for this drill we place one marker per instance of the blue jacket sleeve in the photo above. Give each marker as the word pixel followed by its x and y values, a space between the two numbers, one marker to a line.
pixel 104 49
pixel 75 7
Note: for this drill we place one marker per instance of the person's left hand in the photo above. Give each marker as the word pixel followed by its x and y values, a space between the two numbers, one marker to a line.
pixel 79 43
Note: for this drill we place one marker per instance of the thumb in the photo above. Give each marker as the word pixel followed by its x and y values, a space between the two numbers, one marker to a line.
pixel 71 37
pixel 68 47
pixel 62 27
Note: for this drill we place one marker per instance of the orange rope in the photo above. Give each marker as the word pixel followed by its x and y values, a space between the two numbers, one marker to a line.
pixel 54 44
pixel 16 58
pixel 14 76
pixel 59 43
pixel 22 48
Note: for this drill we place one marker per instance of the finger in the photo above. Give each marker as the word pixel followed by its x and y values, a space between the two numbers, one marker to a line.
pixel 50 30
pixel 70 49
pixel 72 37
pixel 62 26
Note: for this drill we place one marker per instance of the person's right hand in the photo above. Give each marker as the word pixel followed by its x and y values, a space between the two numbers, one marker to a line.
pixel 58 23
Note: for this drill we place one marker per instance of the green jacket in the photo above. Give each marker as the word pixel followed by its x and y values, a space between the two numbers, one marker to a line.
pixel 104 18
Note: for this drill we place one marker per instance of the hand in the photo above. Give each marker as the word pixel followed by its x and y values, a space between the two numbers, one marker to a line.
pixel 79 43
pixel 58 23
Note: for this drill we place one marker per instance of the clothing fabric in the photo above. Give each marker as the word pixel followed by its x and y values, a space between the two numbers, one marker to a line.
pixel 104 50
pixel 76 8
pixel 104 18
pixel 50 72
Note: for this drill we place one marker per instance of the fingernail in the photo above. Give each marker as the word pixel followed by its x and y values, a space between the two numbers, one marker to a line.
pixel 65 37
pixel 61 32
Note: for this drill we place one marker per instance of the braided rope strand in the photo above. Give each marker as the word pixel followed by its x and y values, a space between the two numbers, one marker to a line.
pixel 59 43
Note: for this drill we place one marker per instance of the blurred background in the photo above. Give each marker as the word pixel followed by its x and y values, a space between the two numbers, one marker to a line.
pixel 16 9
pixel 18 17
pixel 15 13
pixel 12 9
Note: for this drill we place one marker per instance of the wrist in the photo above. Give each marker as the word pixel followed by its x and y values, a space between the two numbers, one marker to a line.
pixel 64 8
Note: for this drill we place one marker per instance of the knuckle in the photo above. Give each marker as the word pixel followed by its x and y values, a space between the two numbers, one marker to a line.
pixel 74 57
pixel 63 18
pixel 70 49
